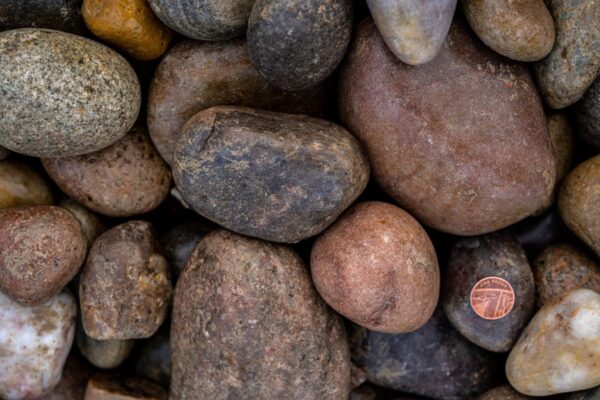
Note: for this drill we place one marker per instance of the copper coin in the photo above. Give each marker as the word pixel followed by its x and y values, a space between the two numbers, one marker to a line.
pixel 492 298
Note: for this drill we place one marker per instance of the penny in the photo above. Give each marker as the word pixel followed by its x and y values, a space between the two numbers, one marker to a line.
pixel 492 298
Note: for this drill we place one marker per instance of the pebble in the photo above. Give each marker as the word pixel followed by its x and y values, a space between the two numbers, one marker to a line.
pixel 236 291
pixel 558 351
pixel 278 177
pixel 63 95
pixel 413 30
pixel 105 354
pixel 460 159
pixel 295 44
pixel 153 359
pixel 125 179
pixel 504 392
pixel 125 286
pixel 41 250
pixel 22 185
pixel 574 62
pixel 587 115
pixel 377 267
pixel 179 242
pixel 63 15
pixel 522 30
pixel 91 225
pixel 561 268
pixel 73 381
pixel 107 387
pixel 35 342
pixel 128 25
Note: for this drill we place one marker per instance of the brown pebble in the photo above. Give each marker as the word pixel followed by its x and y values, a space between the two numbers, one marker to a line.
pixel 107 387
pixel 22 185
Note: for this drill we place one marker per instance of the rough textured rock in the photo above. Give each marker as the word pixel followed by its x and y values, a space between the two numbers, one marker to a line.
pixel 504 392
pixel 413 30
pixel 63 95
pixel 104 354
pixel 153 359
pixel 278 177
pixel 205 19
pixel 179 242
pixel 107 387
pixel 41 250
pixel 22 185
pixel 434 361
pixel 464 167
pixel 587 114
pixel 125 179
pixel 522 30
pixel 235 291
pixel 295 44
pixel 73 381
pixel 91 225
pixel 558 351
pixel 64 15
pixel 377 267
pixel 574 62
pixel 497 255
pixel 129 25
pixel 35 342
pixel 125 286
pixel 194 76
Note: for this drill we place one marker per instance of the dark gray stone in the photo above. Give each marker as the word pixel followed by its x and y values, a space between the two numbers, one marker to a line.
pixel 63 15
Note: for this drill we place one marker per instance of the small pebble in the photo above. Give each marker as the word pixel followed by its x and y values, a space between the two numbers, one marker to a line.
pixel 22 185
pixel 63 15
pixel 587 115
pixel 107 387
pixel 90 223
pixel 153 359
pixel 105 354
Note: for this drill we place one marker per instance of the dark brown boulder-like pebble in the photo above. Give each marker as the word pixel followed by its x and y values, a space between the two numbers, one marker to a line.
pixel 278 177
pixel 248 324
pixel 296 44
pixel 63 15
pixel 460 159
pixel 496 255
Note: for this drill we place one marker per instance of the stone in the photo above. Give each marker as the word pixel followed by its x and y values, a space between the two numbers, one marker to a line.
pixel 125 179
pixel 277 177
pixel 413 30
pixel 504 392
pixel 125 286
pixel 587 115
pixel 63 15
pixel 35 342
pixel 22 185
pixel 377 267
pixel 194 76
pixel 91 225
pixel 522 30
pixel 73 381
pixel 128 25
pixel 295 44
pixel 491 314
pixel 248 323
pixel 41 250
pixel 179 242
pixel 558 351
pixel 153 359
pixel 107 387
pixel 63 95
pixel 105 354
pixel 434 361
pixel 460 159
pixel 587 395
pixel 205 19
pixel 574 62
pixel 561 268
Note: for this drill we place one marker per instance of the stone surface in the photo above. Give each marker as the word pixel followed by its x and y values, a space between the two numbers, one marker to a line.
pixel 413 30
pixel 107 387
pixel 295 44
pixel 41 250
pixel 35 342
pixel 574 62
pixel 587 115
pixel 129 25
pixel 153 359
pixel 377 267
pixel 73 381
pixel 522 30
pixel 125 179
pixel 561 268
pixel 460 159
pixel 179 242
pixel 278 177
pixel 125 286
pixel 504 392
pixel 237 291
pixel 558 351
pixel 194 76
pixel 91 225
pixel 64 15
pixel 104 354
pixel 22 185
pixel 63 95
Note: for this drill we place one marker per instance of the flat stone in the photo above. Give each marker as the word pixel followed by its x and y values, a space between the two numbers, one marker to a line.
pixel 22 185
pixel 63 15
pixel 587 115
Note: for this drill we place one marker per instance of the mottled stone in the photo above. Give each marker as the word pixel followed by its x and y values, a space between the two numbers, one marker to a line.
pixel 519 29
pixel 63 95
pixel 558 351
pixel 41 250
pixel 295 44
pixel 194 76
pixel 35 342
pixel 460 159
pixel 587 115
pixel 179 242
pixel 504 392
pixel 153 359
pixel 125 285
pixel 73 381
pixel 22 185
pixel 104 354
pixel 91 225
pixel 377 267
pixel 247 323
pixel 110 387
pixel 63 15
pixel 278 177
pixel 413 30
pixel 126 178
pixel 574 62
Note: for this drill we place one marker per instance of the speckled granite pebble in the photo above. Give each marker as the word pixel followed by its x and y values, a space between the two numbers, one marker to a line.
pixel 587 115
pixel 22 185
pixel 63 95
pixel 63 15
